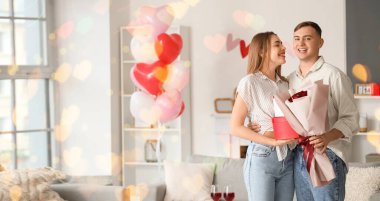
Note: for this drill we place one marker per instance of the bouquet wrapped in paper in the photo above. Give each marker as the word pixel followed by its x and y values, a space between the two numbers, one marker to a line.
pixel 306 111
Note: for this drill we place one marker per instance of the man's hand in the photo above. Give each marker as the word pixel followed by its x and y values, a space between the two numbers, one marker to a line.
pixel 254 126
pixel 320 142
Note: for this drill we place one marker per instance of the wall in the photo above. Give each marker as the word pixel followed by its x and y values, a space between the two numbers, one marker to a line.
pixel 84 87
pixel 216 73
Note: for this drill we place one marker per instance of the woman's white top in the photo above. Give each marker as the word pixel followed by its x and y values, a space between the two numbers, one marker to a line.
pixel 257 92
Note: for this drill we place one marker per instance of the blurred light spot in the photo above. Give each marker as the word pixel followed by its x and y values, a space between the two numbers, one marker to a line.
pixel 72 156
pixel 377 114
pixel 62 73
pixel 373 137
pixel 15 193
pixel 12 69
pixel 116 159
pixel 62 51
pixel 102 6
pixel 126 49
pixel 71 46
pixel 192 2
pixel 360 72
pixel 70 115
pixel 114 60
pixel 82 70
pixel 102 162
pixel 246 19
pixel 20 114
pixel 187 63
pixel 138 192
pixel 179 9
pixel 215 42
pixel 62 132
pixel 52 36
pixel 110 92
pixel 84 25
pixel 65 29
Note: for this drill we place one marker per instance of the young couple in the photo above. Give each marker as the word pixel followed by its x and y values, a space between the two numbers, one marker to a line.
pixel 273 168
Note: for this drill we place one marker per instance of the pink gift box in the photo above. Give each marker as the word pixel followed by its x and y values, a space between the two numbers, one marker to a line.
pixel 282 129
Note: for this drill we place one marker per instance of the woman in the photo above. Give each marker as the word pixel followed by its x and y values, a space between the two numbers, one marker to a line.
pixel 266 176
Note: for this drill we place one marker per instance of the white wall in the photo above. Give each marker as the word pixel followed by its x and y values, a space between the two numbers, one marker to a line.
pixel 215 75
pixel 86 150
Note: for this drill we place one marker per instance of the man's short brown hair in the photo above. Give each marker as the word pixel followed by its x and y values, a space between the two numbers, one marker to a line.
pixel 309 24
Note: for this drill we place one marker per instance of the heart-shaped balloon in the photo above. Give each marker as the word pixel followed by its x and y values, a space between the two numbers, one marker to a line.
pixel 143 49
pixel 149 77
pixel 169 103
pixel 143 107
pixel 151 21
pixel 168 47
pixel 178 76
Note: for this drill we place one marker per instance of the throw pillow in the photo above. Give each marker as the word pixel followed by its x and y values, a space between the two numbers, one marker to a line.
pixel 29 184
pixel 188 181
pixel 362 183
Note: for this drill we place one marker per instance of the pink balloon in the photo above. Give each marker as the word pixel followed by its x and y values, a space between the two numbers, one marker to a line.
pixel 178 77
pixel 169 103
pixel 152 21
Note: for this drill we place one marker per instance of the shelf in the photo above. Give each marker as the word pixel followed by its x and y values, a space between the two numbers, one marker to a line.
pixel 153 129
pixel 142 164
pixel 368 133
pixel 367 97
pixel 221 115
pixel 129 61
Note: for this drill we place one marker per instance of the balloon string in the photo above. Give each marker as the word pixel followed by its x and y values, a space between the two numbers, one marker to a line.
pixel 158 146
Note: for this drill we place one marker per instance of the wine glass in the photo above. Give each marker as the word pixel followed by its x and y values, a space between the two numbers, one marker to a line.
pixel 215 193
pixel 228 194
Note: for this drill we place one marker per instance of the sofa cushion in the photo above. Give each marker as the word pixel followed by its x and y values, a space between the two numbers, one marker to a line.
pixel 363 181
pixel 228 171
pixel 188 180
pixel 29 184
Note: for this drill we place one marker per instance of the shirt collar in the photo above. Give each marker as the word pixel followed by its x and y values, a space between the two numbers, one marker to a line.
pixel 317 65
pixel 262 76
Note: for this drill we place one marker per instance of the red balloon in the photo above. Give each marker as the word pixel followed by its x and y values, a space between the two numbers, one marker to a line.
pixel 145 77
pixel 168 47
pixel 182 109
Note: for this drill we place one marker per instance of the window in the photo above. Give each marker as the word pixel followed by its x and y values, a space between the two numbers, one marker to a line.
pixel 25 85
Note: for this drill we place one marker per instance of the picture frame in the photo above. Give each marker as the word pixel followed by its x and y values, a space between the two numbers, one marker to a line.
pixel 223 105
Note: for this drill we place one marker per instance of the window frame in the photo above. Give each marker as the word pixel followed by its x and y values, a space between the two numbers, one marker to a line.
pixel 46 70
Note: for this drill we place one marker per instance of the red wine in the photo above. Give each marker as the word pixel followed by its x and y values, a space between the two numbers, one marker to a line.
pixel 229 196
pixel 216 196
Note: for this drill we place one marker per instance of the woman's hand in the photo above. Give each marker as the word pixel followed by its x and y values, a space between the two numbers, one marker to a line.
pixel 283 142
pixel 254 126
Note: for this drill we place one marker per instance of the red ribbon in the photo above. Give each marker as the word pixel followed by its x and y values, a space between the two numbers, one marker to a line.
pixel 308 151
pixel 297 95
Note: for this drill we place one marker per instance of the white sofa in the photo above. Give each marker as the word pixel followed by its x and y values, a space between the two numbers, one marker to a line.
pixel 230 171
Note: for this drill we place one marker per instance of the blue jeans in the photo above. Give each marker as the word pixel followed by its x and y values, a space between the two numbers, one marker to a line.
pixel 334 191
pixel 266 178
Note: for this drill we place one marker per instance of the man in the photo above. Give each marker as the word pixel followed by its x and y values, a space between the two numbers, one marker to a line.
pixel 342 112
